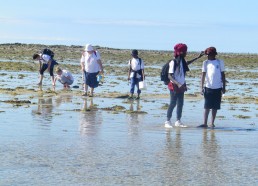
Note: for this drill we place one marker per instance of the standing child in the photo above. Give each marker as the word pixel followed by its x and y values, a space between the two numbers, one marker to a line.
pixel 135 73
pixel 64 76
pixel 177 86
pixel 215 85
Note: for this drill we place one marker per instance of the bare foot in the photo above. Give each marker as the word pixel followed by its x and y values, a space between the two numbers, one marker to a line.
pixel 84 94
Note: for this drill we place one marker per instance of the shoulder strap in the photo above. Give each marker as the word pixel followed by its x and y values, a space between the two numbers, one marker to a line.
pixel 83 53
pixel 140 60
pixel 175 64
pixel 41 58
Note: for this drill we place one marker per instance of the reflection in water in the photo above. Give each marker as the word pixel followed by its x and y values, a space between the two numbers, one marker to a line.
pixel 134 118
pixel 174 146
pixel 210 163
pixel 137 106
pixel 210 146
pixel 173 161
pixel 44 110
pixel 63 99
pixel 90 119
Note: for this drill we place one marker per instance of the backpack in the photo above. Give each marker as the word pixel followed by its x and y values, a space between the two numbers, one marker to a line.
pixel 48 52
pixel 165 69
pixel 164 73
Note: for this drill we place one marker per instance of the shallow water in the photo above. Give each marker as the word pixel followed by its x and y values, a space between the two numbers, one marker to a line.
pixel 69 140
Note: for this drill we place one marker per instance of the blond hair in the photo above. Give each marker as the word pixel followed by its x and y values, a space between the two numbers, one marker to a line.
pixel 58 69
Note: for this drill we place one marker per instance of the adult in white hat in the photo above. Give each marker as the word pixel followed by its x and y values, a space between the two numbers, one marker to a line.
pixel 91 66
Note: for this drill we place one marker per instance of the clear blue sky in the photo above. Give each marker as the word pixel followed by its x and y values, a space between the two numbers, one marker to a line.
pixel 229 25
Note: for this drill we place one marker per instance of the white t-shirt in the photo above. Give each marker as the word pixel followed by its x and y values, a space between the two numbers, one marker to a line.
pixel 213 69
pixel 179 72
pixel 44 58
pixel 90 62
pixel 65 75
pixel 135 65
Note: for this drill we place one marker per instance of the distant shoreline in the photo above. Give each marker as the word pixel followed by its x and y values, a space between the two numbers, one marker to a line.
pixel 18 57
pixel 110 48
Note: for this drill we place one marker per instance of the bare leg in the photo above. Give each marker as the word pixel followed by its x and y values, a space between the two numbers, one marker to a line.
pixel 40 79
pixel 85 88
pixel 205 116
pixel 214 113
pixel 83 81
pixel 91 91
pixel 53 80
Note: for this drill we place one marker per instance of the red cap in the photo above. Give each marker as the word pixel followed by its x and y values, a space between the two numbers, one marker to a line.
pixel 211 51
pixel 179 49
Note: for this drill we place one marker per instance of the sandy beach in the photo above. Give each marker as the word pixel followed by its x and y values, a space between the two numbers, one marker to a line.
pixel 54 136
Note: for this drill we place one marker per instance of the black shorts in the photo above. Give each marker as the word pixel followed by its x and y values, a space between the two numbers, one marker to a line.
pixel 212 98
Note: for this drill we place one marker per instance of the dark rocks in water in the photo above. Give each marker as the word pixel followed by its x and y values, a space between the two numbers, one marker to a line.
pixel 76 86
pixel 17 101
pixel 122 96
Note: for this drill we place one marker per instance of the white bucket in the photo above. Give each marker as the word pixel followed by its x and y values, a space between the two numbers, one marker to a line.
pixel 142 85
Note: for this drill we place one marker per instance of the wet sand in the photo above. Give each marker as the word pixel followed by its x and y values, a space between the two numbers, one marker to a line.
pixel 54 136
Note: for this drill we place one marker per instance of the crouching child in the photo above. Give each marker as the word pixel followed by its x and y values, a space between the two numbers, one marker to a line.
pixel 64 76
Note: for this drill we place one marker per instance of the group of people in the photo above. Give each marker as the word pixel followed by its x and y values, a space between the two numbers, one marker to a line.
pixel 91 66
pixel 213 84
pixel 212 87
pixel 46 62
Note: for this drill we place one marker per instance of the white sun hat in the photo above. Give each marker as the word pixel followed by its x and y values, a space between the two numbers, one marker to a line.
pixel 88 48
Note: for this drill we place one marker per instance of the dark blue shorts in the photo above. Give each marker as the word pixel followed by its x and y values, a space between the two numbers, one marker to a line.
pixel 91 79
pixel 212 98
pixel 45 66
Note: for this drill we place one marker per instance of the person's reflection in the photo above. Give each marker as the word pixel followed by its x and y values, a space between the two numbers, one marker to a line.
pixel 44 109
pixel 173 154
pixel 211 162
pixel 135 107
pixel 63 99
pixel 134 117
pixel 173 147
pixel 90 119
pixel 209 145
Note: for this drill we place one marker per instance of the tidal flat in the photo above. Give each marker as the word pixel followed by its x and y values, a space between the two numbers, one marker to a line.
pixel 55 136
